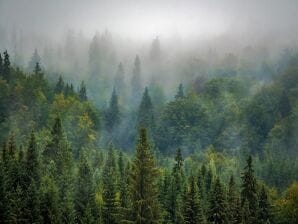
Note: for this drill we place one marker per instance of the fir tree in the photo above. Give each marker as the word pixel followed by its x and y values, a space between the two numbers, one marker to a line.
pixel 6 67
pixel 264 208
pixel 112 115
pixel 146 113
pixel 110 203
pixel 234 213
pixel 32 161
pixel 49 201
pixel 217 205
pixel 34 60
pixel 84 195
pixel 1 65
pixel 119 79
pixel 284 105
pixel 83 92
pixel 249 190
pixel 180 93
pixel 143 183
pixel 37 69
pixel 136 83
pixel 192 210
pixel 60 85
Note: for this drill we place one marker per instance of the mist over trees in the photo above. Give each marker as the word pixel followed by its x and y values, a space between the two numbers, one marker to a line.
pixel 121 124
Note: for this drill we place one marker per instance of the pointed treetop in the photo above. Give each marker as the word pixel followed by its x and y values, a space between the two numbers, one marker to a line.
pixel 180 93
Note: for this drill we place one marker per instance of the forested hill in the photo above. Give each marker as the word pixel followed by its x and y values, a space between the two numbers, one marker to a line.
pixel 223 149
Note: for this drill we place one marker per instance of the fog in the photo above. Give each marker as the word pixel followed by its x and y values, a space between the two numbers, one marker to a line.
pixel 194 35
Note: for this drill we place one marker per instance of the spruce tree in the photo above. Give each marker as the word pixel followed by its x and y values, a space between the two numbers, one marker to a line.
pixel 37 69
pixel 249 191
pixel 32 166
pixel 264 215
pixel 49 201
pixel 83 92
pixel 192 210
pixel 217 212
pixel 6 67
pixel 110 203
pixel 112 115
pixel 34 60
pixel 233 199
pixel 136 83
pixel 84 194
pixel 119 80
pixel 143 183
pixel 60 85
pixel 180 93
pixel 146 113
pixel 1 65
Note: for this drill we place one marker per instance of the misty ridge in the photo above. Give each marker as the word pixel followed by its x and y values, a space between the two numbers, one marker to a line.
pixel 149 112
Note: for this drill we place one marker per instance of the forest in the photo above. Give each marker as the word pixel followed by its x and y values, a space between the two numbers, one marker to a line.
pixel 110 130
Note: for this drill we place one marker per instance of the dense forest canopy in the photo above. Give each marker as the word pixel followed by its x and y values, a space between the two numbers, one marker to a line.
pixel 181 127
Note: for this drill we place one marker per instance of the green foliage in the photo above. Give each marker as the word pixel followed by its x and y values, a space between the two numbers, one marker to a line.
pixel 192 208
pixel 145 207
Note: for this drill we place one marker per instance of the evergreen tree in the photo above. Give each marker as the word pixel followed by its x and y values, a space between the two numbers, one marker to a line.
pixel 83 92
pixel 1 65
pixel 112 115
pixel 284 105
pixel 249 191
pixel 146 113
pixel 155 53
pixel 49 201
pixel 110 203
pixel 264 215
pixel 136 82
pixel 143 183
pixel 32 195
pixel 32 161
pixel 37 69
pixel 192 211
pixel 180 93
pixel 122 182
pixel 60 85
pixel 34 60
pixel 84 196
pixel 6 67
pixel 119 80
pixel 217 205
pixel 234 213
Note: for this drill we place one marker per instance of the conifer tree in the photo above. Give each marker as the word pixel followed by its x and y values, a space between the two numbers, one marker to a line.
pixel 49 201
pixel 249 191
pixel 83 92
pixel 84 195
pixel 192 210
pixel 32 166
pixel 1 65
pixel 180 93
pixel 119 80
pixel 37 69
pixel 60 85
pixel 136 83
pixel 146 113
pixel 217 212
pixel 112 115
pixel 122 182
pixel 32 160
pixel 6 67
pixel 233 199
pixel 264 215
pixel 143 183
pixel 34 60
pixel 110 203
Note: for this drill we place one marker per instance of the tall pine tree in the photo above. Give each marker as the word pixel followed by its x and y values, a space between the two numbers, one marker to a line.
pixel 144 175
